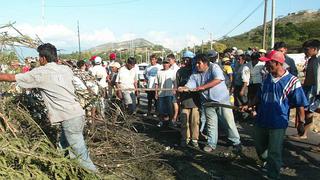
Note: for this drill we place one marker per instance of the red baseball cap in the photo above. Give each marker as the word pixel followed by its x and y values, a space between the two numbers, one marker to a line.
pixel 92 58
pixel 273 55
pixel 112 56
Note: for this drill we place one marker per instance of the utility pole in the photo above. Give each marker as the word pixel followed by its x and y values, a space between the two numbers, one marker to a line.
pixel 146 55
pixel 273 22
pixel 265 24
pixel 210 34
pixel 202 46
pixel 79 41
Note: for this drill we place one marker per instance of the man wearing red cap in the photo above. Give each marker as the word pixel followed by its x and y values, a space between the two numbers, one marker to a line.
pixel 112 56
pixel 280 91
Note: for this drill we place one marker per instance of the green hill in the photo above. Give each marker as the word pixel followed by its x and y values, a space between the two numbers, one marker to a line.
pixel 294 29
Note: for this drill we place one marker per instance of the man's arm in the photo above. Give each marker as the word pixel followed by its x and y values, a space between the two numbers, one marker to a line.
pixel 209 85
pixel 8 77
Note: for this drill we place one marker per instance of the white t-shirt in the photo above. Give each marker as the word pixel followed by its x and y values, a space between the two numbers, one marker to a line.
pixel 175 68
pixel 126 78
pixel 165 79
pixel 99 72
pixel 151 74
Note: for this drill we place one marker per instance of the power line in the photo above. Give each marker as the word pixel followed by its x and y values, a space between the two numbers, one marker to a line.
pixel 251 13
pixel 93 5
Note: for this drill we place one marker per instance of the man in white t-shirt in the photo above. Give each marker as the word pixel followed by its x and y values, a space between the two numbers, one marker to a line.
pixel 99 72
pixel 151 73
pixel 165 80
pixel 174 67
pixel 126 82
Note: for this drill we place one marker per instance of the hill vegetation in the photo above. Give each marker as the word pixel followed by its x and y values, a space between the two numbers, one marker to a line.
pixel 293 29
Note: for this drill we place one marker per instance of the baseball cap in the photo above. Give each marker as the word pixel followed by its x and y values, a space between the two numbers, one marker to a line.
pixel 273 55
pixel 262 51
pixel 115 64
pixel 92 58
pixel 97 60
pixel 225 59
pixel 212 53
pixel 112 56
pixel 239 52
pixel 188 54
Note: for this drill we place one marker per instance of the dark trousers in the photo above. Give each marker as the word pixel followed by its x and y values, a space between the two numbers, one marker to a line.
pixel 239 101
pixel 252 92
pixel 270 140
pixel 151 95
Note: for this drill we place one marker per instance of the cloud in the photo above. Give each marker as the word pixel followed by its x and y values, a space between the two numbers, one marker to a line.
pixel 172 42
pixel 66 38
pixel 127 36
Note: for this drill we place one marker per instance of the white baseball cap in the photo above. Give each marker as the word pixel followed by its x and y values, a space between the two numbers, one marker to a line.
pixel 97 60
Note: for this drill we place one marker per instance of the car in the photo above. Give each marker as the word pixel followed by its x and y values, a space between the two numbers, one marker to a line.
pixel 141 69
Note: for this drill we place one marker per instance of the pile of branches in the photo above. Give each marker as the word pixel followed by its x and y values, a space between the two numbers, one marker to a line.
pixel 28 144
pixel 121 151
pixel 26 152
pixel 17 40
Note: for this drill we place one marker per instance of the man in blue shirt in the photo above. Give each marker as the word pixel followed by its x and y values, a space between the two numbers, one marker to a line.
pixel 280 91
pixel 209 80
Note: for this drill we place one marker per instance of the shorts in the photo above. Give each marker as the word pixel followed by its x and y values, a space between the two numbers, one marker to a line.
pixel 165 105
pixel 174 99
pixel 129 98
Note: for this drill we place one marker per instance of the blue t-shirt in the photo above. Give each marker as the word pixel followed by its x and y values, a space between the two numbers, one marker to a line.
pixel 276 98
pixel 218 93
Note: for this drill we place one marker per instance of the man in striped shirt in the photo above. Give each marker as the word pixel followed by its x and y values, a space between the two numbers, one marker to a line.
pixel 280 91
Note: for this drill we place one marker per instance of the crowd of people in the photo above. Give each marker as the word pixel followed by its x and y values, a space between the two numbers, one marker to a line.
pixel 196 94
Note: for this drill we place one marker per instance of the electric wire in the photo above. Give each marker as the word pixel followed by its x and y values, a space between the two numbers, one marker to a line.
pixel 250 14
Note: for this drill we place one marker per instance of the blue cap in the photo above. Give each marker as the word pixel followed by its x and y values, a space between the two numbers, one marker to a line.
pixel 188 54
pixel 212 53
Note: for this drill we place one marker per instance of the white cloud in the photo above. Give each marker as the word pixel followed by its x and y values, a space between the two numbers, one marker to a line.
pixel 66 38
pixel 172 42
pixel 98 37
pixel 127 36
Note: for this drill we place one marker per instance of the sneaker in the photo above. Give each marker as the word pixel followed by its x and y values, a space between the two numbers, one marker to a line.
pixel 208 148
pixel 160 124
pixel 145 114
pixel 154 115
pixel 195 144
pixel 173 124
pixel 237 148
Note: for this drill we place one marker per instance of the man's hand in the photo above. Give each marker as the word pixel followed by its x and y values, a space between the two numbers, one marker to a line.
pixel 182 89
pixel 244 108
pixel 200 88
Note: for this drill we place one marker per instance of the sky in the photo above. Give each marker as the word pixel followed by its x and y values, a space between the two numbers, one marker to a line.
pixel 174 24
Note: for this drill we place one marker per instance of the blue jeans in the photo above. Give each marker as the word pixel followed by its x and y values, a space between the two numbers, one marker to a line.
pixel 225 117
pixel 203 119
pixel 71 135
pixel 165 106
